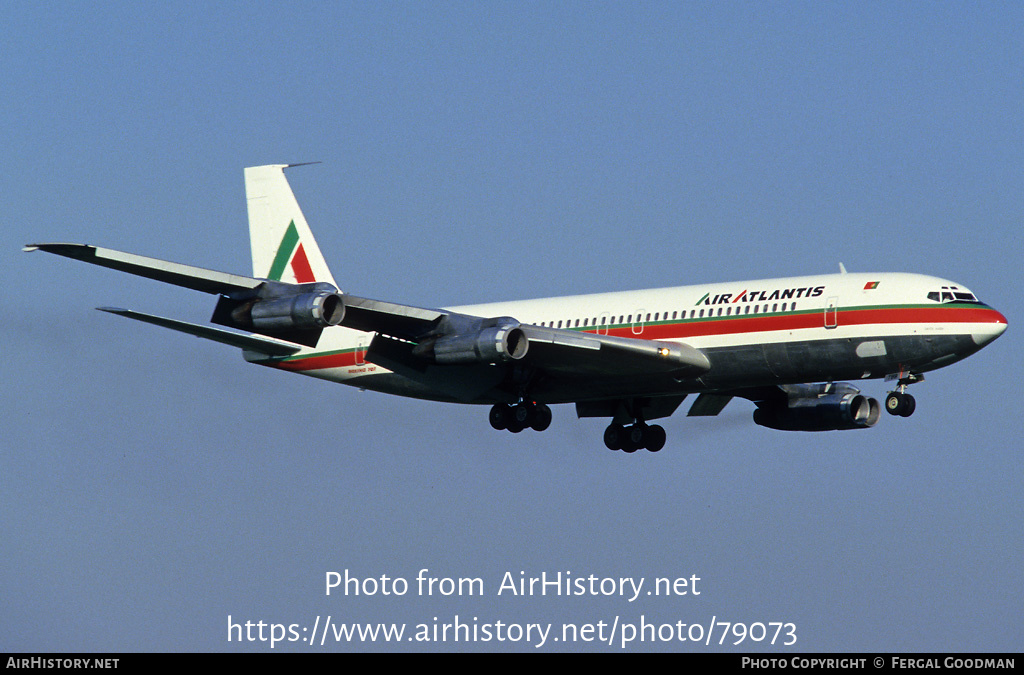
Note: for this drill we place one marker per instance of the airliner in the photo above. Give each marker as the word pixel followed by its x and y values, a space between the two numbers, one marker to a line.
pixel 787 345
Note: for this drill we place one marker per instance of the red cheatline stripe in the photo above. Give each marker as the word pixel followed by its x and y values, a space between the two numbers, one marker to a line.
pixel 848 317
pixel 300 266
pixel 319 362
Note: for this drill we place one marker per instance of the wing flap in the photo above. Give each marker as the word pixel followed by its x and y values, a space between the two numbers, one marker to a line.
pixel 570 353
pixel 709 405
pixel 400 321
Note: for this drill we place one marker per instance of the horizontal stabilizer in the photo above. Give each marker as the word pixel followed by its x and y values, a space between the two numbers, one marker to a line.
pixel 196 278
pixel 256 343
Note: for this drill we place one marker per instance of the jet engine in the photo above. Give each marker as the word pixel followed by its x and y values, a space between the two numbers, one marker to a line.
pixel 293 312
pixel 821 407
pixel 298 312
pixel 491 344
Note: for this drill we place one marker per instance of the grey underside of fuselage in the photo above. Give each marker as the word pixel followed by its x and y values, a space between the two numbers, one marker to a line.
pixel 732 370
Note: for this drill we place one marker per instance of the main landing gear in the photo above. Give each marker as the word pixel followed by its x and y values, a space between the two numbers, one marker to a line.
pixel 519 416
pixel 634 436
pixel 899 402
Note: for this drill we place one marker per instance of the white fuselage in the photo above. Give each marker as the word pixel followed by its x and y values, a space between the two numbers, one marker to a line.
pixel 786 330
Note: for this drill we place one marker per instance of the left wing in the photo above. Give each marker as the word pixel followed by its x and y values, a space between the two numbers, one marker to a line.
pixel 280 317
pixel 196 278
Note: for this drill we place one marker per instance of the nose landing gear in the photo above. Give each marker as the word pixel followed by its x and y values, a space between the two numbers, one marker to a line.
pixel 899 402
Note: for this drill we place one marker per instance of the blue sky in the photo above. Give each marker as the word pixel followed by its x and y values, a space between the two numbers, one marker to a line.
pixel 151 484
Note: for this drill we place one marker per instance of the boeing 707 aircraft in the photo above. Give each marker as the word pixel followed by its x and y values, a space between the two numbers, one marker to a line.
pixel 632 357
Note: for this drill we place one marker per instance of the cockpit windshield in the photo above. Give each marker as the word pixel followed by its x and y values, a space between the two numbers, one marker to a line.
pixel 952 294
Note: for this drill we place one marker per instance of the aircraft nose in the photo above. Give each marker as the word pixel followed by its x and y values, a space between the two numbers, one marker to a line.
pixel 993 328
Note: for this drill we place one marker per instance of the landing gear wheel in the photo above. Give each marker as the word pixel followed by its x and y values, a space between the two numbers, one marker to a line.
pixel 500 416
pixel 522 415
pixel 910 405
pixel 541 417
pixel 614 436
pixel 654 438
pixel 519 416
pixel 636 437
pixel 897 403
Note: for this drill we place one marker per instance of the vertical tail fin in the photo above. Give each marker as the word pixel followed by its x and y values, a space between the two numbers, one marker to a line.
pixel 283 247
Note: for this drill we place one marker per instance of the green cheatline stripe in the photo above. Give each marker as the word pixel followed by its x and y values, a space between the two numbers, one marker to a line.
pixel 284 252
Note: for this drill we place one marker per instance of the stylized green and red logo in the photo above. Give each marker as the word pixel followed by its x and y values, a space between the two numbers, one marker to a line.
pixel 290 252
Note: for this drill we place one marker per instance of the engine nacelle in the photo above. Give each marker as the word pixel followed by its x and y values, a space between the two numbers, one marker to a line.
pixel 298 312
pixel 494 344
pixel 845 409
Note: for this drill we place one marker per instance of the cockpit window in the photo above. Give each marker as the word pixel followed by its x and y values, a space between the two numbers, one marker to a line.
pixel 951 294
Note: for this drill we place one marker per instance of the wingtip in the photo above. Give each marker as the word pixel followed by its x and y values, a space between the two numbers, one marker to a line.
pixel 62 248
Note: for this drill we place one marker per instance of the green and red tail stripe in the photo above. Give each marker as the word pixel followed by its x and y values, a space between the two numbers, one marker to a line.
pixel 291 252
